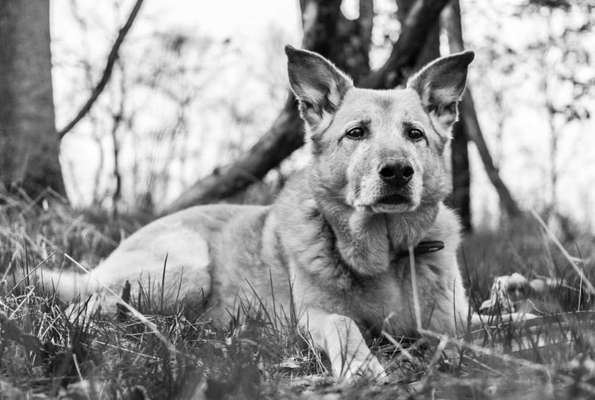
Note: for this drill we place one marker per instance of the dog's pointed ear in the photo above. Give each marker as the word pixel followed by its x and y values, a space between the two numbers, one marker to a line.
pixel 440 85
pixel 318 85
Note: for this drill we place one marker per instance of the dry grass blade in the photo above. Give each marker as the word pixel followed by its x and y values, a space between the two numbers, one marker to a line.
pixel 572 260
pixel 416 306
pixel 133 311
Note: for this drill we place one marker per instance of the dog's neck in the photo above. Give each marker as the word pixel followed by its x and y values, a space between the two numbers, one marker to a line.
pixel 368 242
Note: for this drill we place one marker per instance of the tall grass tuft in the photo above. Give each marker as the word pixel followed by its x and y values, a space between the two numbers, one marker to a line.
pixel 45 352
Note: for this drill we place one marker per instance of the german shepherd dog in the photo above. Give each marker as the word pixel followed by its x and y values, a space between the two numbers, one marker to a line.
pixel 334 245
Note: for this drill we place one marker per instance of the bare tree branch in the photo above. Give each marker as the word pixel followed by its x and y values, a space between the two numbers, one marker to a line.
pixel 107 71
pixel 473 129
pixel 286 133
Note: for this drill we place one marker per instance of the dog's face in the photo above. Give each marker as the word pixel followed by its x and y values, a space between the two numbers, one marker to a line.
pixel 379 150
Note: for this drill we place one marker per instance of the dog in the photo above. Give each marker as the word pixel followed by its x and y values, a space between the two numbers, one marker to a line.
pixel 334 248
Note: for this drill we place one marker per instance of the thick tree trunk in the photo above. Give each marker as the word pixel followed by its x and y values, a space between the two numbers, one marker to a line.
pixel 29 144
pixel 460 198
pixel 431 47
pixel 286 133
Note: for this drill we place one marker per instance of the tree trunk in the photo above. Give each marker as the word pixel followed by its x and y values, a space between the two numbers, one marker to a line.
pixel 328 32
pixel 29 144
pixel 28 141
pixel 431 47
pixel 286 133
pixel 460 198
pixel 470 122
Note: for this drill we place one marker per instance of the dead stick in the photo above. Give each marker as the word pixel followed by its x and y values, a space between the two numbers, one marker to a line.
pixel 107 71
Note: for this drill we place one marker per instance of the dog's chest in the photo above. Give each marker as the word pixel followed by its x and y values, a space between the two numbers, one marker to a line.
pixel 378 300
pixel 387 301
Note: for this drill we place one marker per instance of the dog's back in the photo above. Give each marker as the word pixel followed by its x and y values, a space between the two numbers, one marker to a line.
pixel 175 259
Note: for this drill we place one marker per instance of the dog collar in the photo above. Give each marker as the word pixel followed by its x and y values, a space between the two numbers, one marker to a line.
pixel 426 247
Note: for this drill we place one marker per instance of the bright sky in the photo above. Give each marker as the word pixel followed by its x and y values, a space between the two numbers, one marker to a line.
pixel 229 17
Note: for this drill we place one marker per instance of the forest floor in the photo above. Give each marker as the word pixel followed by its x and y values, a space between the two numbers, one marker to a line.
pixel 45 354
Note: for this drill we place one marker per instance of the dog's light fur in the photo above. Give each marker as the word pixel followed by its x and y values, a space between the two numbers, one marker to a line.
pixel 327 248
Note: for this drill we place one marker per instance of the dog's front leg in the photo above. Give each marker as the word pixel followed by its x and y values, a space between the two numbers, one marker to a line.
pixel 340 338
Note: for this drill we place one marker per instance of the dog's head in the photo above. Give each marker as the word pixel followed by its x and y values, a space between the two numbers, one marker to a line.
pixel 379 150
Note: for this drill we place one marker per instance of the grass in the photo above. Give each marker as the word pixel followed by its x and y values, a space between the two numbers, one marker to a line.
pixel 45 353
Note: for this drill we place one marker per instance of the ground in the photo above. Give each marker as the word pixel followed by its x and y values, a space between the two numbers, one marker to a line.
pixel 46 353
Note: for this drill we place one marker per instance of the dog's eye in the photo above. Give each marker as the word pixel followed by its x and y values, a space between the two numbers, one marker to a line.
pixel 356 133
pixel 415 134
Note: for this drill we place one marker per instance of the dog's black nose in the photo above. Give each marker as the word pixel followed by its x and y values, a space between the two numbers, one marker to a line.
pixel 396 173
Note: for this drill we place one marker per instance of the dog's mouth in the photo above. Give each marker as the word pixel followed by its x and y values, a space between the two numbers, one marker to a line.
pixel 387 201
pixel 394 199
pixel 393 203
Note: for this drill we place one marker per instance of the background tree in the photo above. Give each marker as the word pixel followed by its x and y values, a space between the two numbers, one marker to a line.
pixel 28 138
pixel 329 33
pixel 460 198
